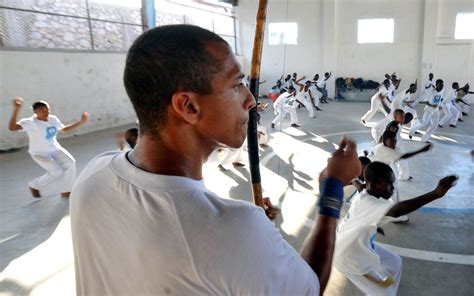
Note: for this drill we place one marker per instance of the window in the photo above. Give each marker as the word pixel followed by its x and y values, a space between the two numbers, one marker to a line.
pixel 375 31
pixel 282 33
pixel 464 25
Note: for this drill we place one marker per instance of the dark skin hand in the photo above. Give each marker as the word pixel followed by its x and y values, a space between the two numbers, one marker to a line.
pixel 408 206
pixel 411 154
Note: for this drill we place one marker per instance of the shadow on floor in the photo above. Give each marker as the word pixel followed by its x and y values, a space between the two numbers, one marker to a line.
pixel 27 226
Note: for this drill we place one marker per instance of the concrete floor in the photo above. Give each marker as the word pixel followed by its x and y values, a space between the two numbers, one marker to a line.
pixel 436 246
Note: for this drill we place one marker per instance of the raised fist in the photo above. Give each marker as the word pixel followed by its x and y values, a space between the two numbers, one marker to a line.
pixel 18 102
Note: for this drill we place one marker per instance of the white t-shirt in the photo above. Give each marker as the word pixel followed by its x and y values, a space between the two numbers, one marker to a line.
pixel 282 100
pixel 321 83
pixel 382 91
pixel 426 90
pixel 400 100
pixel 450 95
pixel 435 97
pixel 42 134
pixel 355 235
pixel 315 92
pixel 385 154
pixel 139 233
pixel 303 96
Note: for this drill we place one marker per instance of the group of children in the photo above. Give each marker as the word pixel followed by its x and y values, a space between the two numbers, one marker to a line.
pixel 435 95
pixel 288 94
pixel 374 269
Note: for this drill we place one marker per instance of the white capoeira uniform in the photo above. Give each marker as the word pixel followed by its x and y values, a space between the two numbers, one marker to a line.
pixel 357 253
pixel 401 102
pixel 376 103
pixel 425 93
pixel 377 130
pixel 45 150
pixel 447 106
pixel 430 118
pixel 391 91
pixel 305 98
pixel 407 109
pixel 284 104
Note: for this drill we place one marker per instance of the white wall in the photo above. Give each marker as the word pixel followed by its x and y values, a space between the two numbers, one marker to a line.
pixel 304 58
pixel 327 40
pixel 71 82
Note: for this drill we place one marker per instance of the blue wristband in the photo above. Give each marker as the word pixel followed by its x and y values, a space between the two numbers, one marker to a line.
pixel 331 196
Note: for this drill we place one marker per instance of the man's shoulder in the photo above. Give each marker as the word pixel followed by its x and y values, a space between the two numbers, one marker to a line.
pixel 97 164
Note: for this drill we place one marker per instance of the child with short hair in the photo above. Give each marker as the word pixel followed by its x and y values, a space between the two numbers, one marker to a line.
pixel 372 268
pixel 42 129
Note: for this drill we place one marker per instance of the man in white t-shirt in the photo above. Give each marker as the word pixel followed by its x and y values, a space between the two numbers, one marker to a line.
pixel 377 102
pixel 374 269
pixel 42 129
pixel 430 118
pixel 286 103
pixel 143 222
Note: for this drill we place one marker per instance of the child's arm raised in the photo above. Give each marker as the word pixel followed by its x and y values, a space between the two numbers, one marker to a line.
pixel 408 206
pixel 411 154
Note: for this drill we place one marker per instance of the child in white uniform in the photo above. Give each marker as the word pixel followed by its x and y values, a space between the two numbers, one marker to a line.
pixel 304 97
pixel 447 104
pixel 284 104
pixel 431 113
pixel 377 102
pixel 426 91
pixel 372 268
pixel 42 129
pixel 398 115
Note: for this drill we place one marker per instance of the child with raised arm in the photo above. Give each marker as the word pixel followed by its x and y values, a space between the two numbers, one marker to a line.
pixel 372 268
pixel 42 129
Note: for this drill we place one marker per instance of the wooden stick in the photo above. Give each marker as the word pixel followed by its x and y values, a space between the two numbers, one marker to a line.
pixel 252 138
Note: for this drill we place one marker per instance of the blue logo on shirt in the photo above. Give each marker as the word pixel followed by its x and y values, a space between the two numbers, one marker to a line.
pixel 51 132
pixel 436 99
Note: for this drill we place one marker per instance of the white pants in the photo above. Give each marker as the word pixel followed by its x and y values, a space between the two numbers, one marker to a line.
pixel 430 121
pixel 456 113
pixel 375 105
pixel 402 165
pixel 448 114
pixel 309 106
pixel 60 168
pixel 390 264
pixel 281 113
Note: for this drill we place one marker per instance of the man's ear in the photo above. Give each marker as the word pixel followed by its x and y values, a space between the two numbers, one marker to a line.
pixel 185 105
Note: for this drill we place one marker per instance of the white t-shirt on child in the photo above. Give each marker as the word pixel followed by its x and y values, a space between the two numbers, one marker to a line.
pixel 139 233
pixel 382 153
pixel 42 134
pixel 355 235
